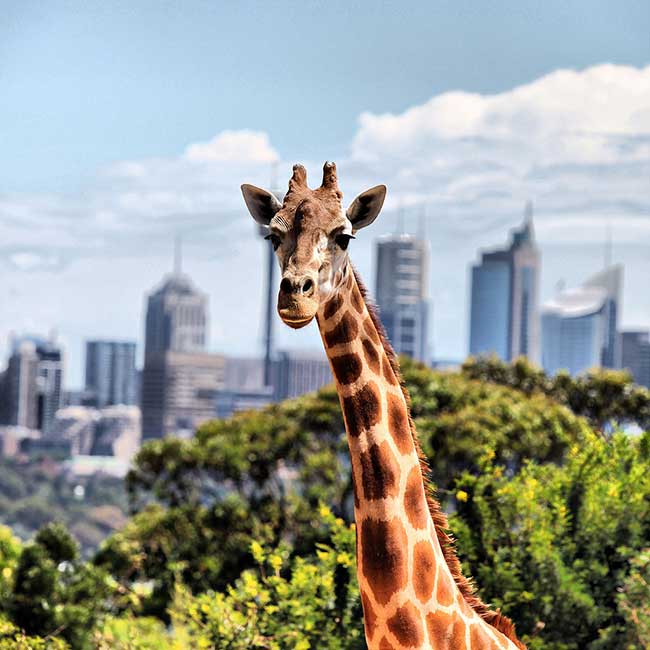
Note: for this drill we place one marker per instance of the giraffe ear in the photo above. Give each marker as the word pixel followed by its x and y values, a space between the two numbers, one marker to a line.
pixel 366 207
pixel 261 204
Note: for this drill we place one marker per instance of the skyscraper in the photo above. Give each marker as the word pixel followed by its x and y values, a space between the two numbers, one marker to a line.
pixel 635 355
pixel 32 383
pixel 177 317
pixel 179 379
pixel 504 298
pixel 110 372
pixel 401 292
pixel 579 326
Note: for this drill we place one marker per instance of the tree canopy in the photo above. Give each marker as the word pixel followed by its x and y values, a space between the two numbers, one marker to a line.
pixel 242 537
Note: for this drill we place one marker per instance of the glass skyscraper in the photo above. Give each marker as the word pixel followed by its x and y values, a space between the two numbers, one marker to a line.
pixel 401 293
pixel 111 376
pixel 504 298
pixel 579 326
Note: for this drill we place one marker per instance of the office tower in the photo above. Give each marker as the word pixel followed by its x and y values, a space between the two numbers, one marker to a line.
pixel 504 298
pixel 179 392
pixel 177 315
pixel 179 379
pixel 635 355
pixel 32 383
pixel 110 372
pixel 401 293
pixel 579 326
pixel 297 372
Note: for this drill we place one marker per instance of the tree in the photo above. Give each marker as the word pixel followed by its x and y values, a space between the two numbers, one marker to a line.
pixel 553 545
pixel 54 592
pixel 604 397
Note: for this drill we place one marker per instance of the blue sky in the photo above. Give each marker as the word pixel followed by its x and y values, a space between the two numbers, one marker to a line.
pixel 88 83
pixel 124 123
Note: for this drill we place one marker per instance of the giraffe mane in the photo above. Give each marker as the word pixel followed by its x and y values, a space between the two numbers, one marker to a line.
pixel 465 585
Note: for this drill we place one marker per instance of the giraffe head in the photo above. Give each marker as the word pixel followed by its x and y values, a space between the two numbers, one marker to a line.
pixel 310 233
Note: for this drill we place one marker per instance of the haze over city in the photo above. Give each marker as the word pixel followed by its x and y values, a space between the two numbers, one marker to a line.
pixel 96 189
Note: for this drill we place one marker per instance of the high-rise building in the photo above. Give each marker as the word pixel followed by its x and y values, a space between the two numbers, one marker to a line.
pixel 504 317
pixel 635 355
pixel 579 326
pixel 111 376
pixel 32 384
pixel 179 391
pixel 177 317
pixel 298 372
pixel 401 293
pixel 179 379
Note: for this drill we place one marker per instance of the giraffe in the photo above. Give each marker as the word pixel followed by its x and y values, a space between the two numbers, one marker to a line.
pixel 413 593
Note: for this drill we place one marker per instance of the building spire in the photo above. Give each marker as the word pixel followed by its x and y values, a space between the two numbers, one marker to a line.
pixel 178 254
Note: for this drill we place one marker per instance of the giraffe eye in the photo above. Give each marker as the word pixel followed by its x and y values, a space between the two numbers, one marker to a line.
pixel 342 241
pixel 275 241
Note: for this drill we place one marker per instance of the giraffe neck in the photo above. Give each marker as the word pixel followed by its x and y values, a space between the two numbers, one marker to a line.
pixel 410 599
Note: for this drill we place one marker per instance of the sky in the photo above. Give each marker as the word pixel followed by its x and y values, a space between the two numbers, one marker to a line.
pixel 124 124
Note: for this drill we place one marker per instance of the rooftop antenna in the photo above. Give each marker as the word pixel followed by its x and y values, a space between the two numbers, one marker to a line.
pixel 178 254
pixel 608 245
pixel 528 212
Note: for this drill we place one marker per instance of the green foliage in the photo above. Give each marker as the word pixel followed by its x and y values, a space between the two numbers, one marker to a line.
pixel 260 476
pixel 228 547
pixel 462 422
pixel 130 632
pixel 553 545
pixel 602 396
pixel 10 549
pixel 283 604
pixel 634 601
pixel 12 638
pixel 54 592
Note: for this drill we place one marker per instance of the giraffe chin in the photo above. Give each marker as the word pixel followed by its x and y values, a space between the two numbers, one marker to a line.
pixel 296 321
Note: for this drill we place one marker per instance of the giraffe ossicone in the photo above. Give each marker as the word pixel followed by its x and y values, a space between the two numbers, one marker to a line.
pixel 413 594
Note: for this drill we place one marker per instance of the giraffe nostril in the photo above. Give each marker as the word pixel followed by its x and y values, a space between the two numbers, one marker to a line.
pixel 308 286
pixel 285 285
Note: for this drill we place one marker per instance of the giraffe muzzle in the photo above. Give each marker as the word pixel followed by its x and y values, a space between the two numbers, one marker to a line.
pixel 297 301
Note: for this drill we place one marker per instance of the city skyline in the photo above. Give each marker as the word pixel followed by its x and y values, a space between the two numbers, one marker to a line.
pixel 96 186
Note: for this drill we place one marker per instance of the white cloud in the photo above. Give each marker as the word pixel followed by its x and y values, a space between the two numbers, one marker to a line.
pixel 576 142
pixel 233 146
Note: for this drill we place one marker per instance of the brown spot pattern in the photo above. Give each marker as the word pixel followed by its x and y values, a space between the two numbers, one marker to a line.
pixel 407 627
pixel 332 306
pixel 445 631
pixel 445 595
pixel 371 330
pixel 415 503
pixel 344 331
pixel 424 570
pixel 387 369
pixel 363 409
pixel 398 424
pixel 384 557
pixel 347 368
pixel 369 617
pixel 372 356
pixel 385 644
pixel 357 300
pixel 379 472
pixel 479 638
